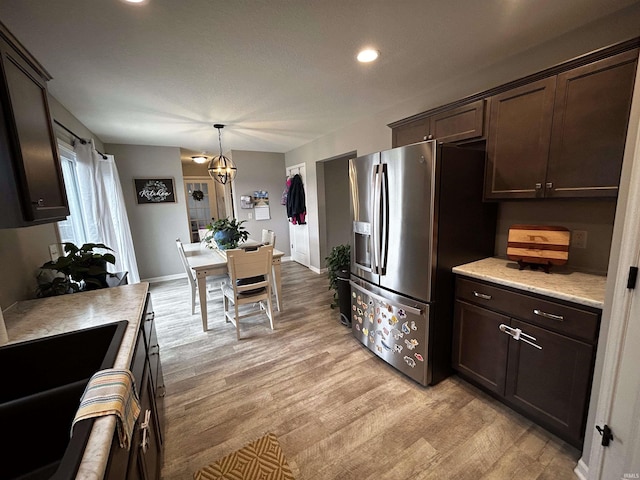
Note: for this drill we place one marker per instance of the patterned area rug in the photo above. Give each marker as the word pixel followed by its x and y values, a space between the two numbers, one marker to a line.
pixel 260 460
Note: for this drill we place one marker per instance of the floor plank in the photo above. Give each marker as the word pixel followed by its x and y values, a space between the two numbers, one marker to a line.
pixel 338 411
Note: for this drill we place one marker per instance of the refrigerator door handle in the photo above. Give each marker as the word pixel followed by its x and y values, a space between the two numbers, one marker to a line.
pixel 407 308
pixel 384 218
pixel 377 190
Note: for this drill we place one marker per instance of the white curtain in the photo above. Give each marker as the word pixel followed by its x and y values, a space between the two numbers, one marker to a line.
pixel 105 214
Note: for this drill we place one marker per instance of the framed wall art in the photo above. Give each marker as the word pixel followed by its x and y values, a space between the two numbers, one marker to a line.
pixel 154 190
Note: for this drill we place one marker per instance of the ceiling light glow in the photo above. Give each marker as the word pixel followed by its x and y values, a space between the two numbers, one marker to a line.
pixel 368 55
pixel 200 159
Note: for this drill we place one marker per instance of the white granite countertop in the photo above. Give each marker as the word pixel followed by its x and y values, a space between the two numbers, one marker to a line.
pixel 581 288
pixel 44 317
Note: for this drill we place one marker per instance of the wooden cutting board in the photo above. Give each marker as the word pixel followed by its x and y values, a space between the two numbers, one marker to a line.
pixel 538 245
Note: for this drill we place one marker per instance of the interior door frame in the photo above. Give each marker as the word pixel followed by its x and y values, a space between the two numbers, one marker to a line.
pixel 619 312
pixel 289 170
pixel 213 206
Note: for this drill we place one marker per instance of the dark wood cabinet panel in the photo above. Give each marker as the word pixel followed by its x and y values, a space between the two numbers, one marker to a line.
pixel 479 347
pixel 551 384
pixel 461 123
pixel 591 116
pixel 518 141
pixel 413 132
pixel 32 183
pixel 464 122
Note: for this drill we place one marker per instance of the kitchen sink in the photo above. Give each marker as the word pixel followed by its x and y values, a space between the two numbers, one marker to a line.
pixel 42 383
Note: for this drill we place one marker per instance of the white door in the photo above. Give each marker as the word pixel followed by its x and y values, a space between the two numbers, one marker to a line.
pixel 202 210
pixel 299 234
pixel 621 459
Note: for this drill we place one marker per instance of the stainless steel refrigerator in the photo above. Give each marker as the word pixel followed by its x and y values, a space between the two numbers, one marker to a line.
pixel 417 212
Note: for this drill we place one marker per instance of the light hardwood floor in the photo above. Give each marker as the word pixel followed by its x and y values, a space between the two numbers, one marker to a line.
pixel 338 411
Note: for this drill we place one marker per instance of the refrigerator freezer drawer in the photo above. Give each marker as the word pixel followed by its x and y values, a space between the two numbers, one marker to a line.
pixel 393 328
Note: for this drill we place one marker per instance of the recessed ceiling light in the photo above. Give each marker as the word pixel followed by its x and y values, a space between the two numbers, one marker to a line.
pixel 368 55
pixel 135 1
pixel 200 159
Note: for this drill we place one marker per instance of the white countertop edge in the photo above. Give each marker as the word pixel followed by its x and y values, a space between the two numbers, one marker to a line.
pixel 490 270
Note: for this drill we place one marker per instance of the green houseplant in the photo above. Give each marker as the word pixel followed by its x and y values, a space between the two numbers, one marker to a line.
pixel 227 233
pixel 338 263
pixel 81 268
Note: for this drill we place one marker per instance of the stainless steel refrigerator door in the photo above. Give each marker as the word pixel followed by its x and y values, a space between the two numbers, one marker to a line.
pixel 362 176
pixel 407 236
pixel 393 327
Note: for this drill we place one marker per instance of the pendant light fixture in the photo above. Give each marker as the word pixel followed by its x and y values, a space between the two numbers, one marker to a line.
pixel 221 168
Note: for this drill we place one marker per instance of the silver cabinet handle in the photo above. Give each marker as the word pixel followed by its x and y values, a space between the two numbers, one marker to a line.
pixel 551 316
pixel 519 335
pixel 145 431
pixel 483 296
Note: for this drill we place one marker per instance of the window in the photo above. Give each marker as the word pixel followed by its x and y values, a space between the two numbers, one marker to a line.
pixel 72 229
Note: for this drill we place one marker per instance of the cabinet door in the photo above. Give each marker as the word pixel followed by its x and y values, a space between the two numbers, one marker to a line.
pixel 590 119
pixel 551 384
pixel 33 146
pixel 518 141
pixel 479 347
pixel 417 131
pixel 461 123
pixel 145 447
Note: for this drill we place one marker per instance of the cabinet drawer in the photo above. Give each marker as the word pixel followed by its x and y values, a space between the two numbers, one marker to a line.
pixel 575 322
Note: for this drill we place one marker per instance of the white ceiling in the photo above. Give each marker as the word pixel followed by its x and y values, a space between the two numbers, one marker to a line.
pixel 278 73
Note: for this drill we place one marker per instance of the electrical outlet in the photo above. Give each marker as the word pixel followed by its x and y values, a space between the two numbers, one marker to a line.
pixel 54 251
pixel 249 216
pixel 579 239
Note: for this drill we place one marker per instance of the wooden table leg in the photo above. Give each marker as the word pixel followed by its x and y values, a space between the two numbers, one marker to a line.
pixel 202 292
pixel 277 276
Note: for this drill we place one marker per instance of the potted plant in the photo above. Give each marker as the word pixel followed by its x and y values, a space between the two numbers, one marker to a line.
pixel 81 268
pixel 227 233
pixel 338 263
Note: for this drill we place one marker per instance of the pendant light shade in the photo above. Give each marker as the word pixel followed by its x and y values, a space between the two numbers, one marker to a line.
pixel 221 168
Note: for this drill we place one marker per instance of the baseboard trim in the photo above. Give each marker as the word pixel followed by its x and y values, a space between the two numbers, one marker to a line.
pixel 581 470
pixel 164 278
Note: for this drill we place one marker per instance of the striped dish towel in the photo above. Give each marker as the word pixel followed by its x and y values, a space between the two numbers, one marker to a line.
pixel 111 392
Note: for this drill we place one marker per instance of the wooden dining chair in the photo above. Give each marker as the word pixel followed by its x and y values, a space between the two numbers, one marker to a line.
pixel 191 276
pixel 269 237
pixel 250 273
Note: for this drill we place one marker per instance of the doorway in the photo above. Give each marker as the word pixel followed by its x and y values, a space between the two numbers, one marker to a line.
pixel 206 200
pixel 299 234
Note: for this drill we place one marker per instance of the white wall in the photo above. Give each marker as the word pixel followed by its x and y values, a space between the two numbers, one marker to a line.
pixel 154 227
pixel 262 171
pixel 372 134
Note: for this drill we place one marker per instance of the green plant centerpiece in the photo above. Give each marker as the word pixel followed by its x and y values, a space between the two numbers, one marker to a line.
pixel 81 268
pixel 338 263
pixel 226 233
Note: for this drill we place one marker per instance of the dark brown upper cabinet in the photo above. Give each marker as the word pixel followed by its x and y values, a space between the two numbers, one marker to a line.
pixel 561 136
pixel 30 175
pixel 590 119
pixel 465 122
pixel 518 140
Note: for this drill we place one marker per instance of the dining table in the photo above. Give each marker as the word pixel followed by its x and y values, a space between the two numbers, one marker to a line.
pixel 206 262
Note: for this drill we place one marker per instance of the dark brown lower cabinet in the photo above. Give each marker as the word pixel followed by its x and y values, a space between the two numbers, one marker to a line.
pixel 479 347
pixel 542 370
pixel 144 459
pixel 550 384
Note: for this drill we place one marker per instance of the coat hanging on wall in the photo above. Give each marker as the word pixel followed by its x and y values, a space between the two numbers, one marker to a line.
pixel 296 207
